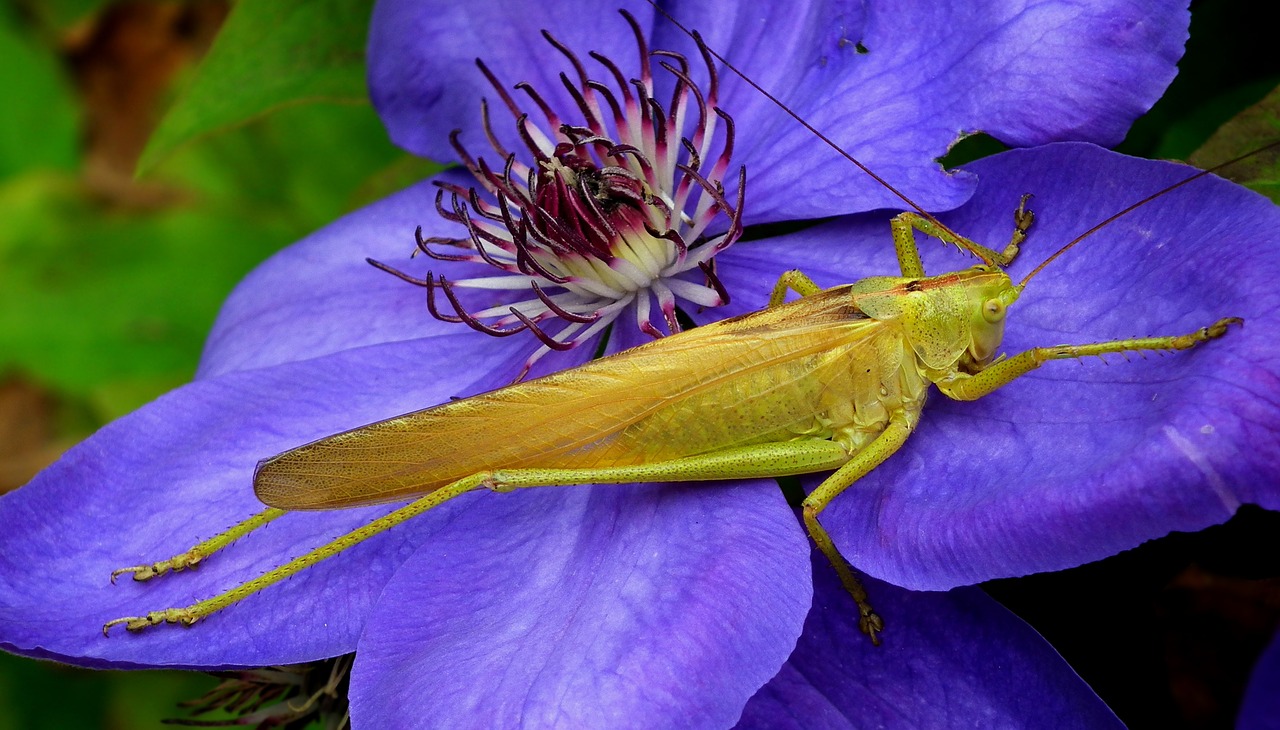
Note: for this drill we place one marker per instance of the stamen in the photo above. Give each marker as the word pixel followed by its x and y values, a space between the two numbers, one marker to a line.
pixel 553 119
pixel 594 215
pixel 560 311
pixel 543 336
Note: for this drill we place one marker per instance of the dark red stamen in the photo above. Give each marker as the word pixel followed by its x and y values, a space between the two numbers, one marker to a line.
pixel 560 311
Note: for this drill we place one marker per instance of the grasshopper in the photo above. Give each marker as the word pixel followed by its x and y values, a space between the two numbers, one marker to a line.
pixel 835 380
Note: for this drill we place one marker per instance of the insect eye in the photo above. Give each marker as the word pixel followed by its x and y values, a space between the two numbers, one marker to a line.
pixel 993 310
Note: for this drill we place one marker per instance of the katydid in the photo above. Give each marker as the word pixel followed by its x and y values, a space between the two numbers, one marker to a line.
pixel 833 381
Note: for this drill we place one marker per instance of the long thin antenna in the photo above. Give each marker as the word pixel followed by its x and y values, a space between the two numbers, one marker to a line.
pixel 697 37
pixel 1111 219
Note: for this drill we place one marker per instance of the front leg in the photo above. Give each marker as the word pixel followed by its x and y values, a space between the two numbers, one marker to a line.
pixel 904 240
pixel 961 386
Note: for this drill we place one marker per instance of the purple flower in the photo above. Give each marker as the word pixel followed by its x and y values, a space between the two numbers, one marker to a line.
pixel 1261 707
pixel 662 605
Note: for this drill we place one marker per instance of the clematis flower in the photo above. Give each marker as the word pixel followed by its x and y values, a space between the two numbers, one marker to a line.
pixel 662 605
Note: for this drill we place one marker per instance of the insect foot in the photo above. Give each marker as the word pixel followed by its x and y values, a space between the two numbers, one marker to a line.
pixel 1023 217
pixel 147 572
pixel 1219 328
pixel 138 623
pixel 1204 334
pixel 193 557
pixel 870 623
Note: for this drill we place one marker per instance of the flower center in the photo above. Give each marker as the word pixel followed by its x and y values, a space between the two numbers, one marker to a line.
pixel 596 218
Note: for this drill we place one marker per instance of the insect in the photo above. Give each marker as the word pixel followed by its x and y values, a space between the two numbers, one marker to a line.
pixel 836 380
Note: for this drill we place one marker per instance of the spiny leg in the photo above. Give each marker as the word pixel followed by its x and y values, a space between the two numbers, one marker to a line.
pixel 999 374
pixel 873 455
pixel 195 555
pixel 785 458
pixel 188 615
pixel 904 241
pixel 780 459
pixel 793 280
pixel 908 251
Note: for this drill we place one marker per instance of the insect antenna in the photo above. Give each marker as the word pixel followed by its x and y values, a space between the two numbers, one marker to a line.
pixel 1159 193
pixel 697 38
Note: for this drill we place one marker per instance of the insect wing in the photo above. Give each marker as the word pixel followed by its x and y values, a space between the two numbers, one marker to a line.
pixel 553 420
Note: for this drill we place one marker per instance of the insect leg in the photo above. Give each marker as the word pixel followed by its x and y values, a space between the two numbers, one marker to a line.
pixel 192 557
pixel 871 456
pixel 786 458
pixel 793 280
pixel 777 459
pixel 999 374
pixel 904 241
pixel 188 615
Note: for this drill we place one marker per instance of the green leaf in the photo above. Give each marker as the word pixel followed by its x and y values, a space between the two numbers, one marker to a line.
pixel 40 124
pixel 269 54
pixel 89 295
pixel 1250 130
pixel 400 174
pixel 62 15
pixel 109 306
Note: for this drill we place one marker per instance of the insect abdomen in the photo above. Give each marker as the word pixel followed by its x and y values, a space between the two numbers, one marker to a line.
pixel 844 393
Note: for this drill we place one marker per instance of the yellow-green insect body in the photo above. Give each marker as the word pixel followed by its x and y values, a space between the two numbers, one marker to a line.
pixel 833 365
pixel 835 380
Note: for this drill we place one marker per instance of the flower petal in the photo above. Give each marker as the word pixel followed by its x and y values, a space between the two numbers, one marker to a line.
pixel 955 659
pixel 897 85
pixel 894 86
pixel 613 606
pixel 320 296
pixel 153 483
pixel 422 56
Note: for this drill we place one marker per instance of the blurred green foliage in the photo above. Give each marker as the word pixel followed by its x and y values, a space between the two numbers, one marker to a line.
pixel 45 696
pixel 269 54
pixel 1248 131
pixel 105 297
pixel 1229 65
pixel 109 302
pixel 41 132
pixel 67 261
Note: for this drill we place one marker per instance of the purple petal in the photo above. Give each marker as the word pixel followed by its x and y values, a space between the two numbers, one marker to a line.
pixel 180 469
pixel 1075 462
pixel 422 56
pixel 1261 708
pixel 955 659
pixel 930 74
pixel 320 296
pixel 618 606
